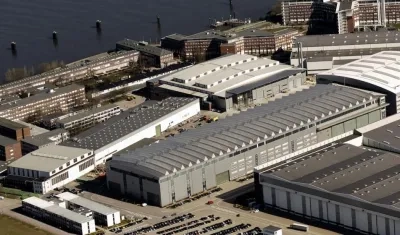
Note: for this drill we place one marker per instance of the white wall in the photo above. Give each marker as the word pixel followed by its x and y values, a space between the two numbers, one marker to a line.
pixel 378 221
pixel 73 173
pixel 90 229
pixel 110 221
pixel 173 119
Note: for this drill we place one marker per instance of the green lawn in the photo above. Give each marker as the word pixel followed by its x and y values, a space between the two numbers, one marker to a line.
pixel 11 226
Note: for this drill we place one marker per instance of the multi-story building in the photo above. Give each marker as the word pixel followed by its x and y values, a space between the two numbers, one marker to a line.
pixel 84 120
pixel 47 102
pixel 49 167
pixel 200 159
pixel 58 216
pixel 9 149
pixel 14 130
pixel 53 137
pixel 304 12
pixel 149 55
pixel 358 15
pixel 102 214
pixel 98 65
pixel 213 43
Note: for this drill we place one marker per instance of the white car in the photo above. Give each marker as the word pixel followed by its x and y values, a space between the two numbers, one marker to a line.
pixel 144 204
pixel 1 198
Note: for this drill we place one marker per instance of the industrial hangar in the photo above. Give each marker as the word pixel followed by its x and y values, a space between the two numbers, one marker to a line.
pixel 379 72
pixel 144 121
pixel 323 52
pixel 232 81
pixel 205 157
pixel 354 187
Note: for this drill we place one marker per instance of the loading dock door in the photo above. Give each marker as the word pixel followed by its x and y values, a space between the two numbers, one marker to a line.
pixel 158 130
pixel 222 177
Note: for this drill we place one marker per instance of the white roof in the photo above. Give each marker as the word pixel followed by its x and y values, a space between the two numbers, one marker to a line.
pixel 242 69
pixel 381 69
pixel 50 207
pixel 83 202
pixel 48 158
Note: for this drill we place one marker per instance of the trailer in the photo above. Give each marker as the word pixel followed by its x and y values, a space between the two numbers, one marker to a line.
pixel 300 227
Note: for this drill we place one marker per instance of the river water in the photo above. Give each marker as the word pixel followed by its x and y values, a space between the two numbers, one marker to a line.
pixel 31 23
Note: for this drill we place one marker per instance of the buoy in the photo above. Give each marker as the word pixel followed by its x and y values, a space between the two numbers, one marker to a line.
pixel 158 20
pixel 98 24
pixel 13 46
pixel 54 35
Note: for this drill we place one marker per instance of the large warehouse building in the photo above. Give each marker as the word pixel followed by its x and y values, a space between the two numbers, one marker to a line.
pixel 379 72
pixel 144 121
pixel 205 157
pixel 349 186
pixel 323 52
pixel 233 81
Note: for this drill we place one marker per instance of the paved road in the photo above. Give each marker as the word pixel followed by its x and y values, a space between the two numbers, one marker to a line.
pixel 6 207
pixel 199 208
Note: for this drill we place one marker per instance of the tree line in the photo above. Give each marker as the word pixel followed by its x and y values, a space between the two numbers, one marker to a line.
pixel 15 74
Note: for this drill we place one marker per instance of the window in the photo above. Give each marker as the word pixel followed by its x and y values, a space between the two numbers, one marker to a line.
pixel 60 168
pixel 68 163
pixel 82 157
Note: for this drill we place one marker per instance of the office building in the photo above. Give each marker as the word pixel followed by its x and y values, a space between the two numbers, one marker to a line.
pixel 84 69
pixel 58 216
pixel 319 53
pixel 213 43
pixel 53 137
pixel 379 72
pixel 144 121
pixel 47 102
pixel 14 130
pixel 10 149
pixel 149 55
pixel 305 12
pixel 232 81
pixel 103 215
pixel 77 122
pixel 50 167
pixel 207 156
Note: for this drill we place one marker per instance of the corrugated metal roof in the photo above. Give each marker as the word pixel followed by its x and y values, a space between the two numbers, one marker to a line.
pixel 240 130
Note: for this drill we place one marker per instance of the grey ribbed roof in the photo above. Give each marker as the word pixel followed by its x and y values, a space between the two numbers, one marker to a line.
pixel 240 130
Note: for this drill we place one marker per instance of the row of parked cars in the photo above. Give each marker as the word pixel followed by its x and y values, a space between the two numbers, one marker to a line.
pixel 190 225
pixel 216 226
pixel 233 229
pixel 163 224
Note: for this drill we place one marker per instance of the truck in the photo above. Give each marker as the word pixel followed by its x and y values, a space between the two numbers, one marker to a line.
pixel 300 227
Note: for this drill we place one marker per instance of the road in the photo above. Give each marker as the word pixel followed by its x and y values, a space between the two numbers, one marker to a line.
pixel 220 207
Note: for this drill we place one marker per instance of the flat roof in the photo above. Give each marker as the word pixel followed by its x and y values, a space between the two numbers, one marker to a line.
pixel 359 38
pixel 388 134
pixel 87 113
pixel 356 176
pixel 11 124
pixel 184 91
pixel 83 202
pixel 5 141
pixel 316 104
pixel 381 69
pixel 127 123
pixel 140 46
pixel 50 207
pixel 48 158
pixel 44 138
pixel 41 96
pixel 342 53
pixel 34 130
